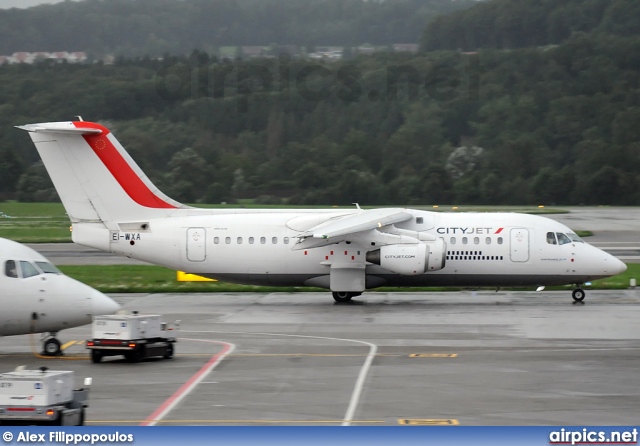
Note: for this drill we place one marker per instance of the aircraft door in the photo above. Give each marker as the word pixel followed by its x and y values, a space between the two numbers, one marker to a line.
pixel 519 245
pixel 196 244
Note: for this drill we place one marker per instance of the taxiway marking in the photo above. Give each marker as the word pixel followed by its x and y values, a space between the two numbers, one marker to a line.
pixel 191 384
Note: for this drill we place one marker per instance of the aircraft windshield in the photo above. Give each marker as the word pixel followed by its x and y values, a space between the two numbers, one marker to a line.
pixel 48 268
pixel 575 238
pixel 28 270
pixel 558 238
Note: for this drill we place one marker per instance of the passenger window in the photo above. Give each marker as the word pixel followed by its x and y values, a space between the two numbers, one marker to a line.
pixel 239 240
pixel 464 240
pixel 551 238
pixel 263 240
pixel 487 240
pixel 10 269
pixel 452 240
pixel 28 270
pixel 562 239
pixel 274 240
pixel 227 240
pixel 47 268
pixel 251 240
pixel 286 240
pixel 216 240
pixel 499 240
pixel 476 240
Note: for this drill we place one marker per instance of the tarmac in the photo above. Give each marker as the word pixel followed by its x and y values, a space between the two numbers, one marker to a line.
pixel 468 358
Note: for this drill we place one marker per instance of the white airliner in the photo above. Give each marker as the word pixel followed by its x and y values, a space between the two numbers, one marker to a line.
pixel 114 207
pixel 37 298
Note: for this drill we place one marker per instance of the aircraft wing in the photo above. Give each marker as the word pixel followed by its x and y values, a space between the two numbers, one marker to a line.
pixel 337 230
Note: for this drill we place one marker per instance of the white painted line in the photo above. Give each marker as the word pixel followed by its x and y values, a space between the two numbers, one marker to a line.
pixel 355 396
pixel 191 384
pixel 362 376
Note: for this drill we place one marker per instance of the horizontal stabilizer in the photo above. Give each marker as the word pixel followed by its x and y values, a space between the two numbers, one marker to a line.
pixel 59 129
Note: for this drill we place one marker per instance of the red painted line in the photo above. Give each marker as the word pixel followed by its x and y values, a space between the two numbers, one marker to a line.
pixel 498 231
pixel 130 182
pixel 165 407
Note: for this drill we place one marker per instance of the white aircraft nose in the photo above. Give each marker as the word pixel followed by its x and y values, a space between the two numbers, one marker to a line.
pixel 102 304
pixel 618 266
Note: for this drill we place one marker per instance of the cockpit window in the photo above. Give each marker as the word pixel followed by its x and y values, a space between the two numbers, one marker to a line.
pixel 575 238
pixel 562 238
pixel 28 270
pixel 10 269
pixel 48 268
pixel 558 238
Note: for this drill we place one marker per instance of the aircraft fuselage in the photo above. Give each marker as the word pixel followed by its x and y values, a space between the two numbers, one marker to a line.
pixel 490 249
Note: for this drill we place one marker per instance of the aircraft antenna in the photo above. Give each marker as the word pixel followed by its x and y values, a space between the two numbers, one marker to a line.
pixel 357 206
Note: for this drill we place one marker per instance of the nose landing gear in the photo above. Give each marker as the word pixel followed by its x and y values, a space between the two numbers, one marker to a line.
pixel 51 345
pixel 578 295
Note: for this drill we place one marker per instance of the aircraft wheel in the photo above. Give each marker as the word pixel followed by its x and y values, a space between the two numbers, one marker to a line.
pixel 342 296
pixel 578 295
pixel 51 347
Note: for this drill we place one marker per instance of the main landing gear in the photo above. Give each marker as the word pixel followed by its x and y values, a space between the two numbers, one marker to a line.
pixel 51 345
pixel 578 295
pixel 343 296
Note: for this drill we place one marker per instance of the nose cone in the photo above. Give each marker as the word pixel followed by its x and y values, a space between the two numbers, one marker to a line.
pixel 102 304
pixel 618 267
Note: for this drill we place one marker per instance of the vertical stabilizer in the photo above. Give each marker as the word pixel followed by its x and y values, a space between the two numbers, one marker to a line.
pixel 98 182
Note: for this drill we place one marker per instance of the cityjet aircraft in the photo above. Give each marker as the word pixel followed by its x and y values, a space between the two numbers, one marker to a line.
pixel 36 298
pixel 114 207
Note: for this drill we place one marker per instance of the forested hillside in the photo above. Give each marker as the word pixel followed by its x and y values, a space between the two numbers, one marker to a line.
pixel 525 23
pixel 551 124
pixel 555 125
pixel 154 27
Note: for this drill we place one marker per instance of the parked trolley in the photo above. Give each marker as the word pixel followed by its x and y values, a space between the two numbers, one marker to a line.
pixel 135 336
pixel 42 397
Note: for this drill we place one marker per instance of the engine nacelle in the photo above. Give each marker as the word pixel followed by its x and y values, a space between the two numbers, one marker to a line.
pixel 410 259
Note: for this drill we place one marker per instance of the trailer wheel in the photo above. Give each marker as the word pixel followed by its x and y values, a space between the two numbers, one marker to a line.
pixel 96 356
pixel 169 353
pixel 57 421
pixel 136 355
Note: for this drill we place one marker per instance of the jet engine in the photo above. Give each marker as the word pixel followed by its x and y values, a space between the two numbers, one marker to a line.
pixel 410 259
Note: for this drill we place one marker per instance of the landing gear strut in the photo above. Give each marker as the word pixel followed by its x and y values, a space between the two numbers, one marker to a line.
pixel 578 294
pixel 343 296
pixel 51 345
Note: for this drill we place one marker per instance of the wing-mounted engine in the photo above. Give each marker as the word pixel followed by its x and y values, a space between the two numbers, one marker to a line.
pixel 410 259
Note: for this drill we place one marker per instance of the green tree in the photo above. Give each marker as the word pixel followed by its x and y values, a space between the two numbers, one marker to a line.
pixel 188 176
pixel 10 170
pixel 35 185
